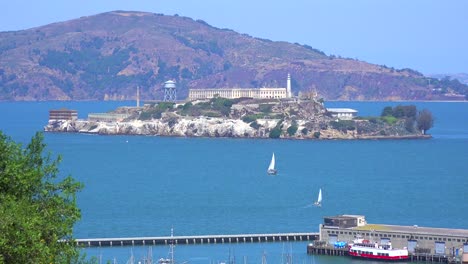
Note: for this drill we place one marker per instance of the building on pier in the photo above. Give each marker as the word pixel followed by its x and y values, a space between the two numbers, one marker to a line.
pixel 107 117
pixel 63 114
pixel 436 241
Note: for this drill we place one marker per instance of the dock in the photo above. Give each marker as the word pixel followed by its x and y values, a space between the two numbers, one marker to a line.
pixel 202 239
pixel 329 250
pixel 429 244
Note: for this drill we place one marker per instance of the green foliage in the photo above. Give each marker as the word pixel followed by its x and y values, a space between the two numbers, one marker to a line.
pixel 187 106
pixel 275 133
pixel 343 125
pixel 400 111
pixel 255 125
pixel 156 111
pixel 37 207
pixel 404 111
pixel 251 118
pixel 425 120
pixel 88 59
pixel 316 134
pixel 222 105
pixel 373 120
pixel 304 131
pixel 292 129
pixel 387 111
pixel 265 108
pixel 389 119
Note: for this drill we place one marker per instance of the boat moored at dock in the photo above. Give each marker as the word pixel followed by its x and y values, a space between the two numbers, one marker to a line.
pixel 365 249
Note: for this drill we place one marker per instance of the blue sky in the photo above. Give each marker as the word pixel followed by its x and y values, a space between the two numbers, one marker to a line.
pixel 430 36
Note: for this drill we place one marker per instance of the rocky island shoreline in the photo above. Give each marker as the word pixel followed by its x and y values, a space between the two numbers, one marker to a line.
pixel 243 118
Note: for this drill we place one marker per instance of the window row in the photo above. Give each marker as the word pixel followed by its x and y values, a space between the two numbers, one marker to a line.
pixel 398 236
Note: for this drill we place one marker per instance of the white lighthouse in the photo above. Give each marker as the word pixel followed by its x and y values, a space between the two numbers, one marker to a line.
pixel 288 87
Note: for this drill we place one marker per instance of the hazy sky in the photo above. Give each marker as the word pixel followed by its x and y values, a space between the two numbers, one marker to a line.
pixel 430 36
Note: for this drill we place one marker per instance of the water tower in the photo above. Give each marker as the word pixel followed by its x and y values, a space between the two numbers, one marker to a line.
pixel 170 92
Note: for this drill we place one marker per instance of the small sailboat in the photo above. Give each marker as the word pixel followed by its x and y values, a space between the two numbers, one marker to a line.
pixel 319 199
pixel 271 169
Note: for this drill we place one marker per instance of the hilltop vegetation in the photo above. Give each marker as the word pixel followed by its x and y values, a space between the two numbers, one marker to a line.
pixel 106 56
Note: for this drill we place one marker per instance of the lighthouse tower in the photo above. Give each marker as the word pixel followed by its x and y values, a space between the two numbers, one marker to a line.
pixel 288 87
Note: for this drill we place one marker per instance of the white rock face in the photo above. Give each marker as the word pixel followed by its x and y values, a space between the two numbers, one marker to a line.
pixel 224 127
pixel 184 127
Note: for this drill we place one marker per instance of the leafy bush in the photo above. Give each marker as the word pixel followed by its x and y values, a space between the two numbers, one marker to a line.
pixel 265 108
pixel 275 132
pixel 387 111
pixel 292 130
pixel 251 118
pixel 156 111
pixel 317 134
pixel 343 125
pixel 389 119
pixel 400 111
pixel 304 131
pixel 255 125
pixel 223 105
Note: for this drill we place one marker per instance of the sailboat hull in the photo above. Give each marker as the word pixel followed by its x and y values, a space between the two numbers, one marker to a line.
pixel 271 172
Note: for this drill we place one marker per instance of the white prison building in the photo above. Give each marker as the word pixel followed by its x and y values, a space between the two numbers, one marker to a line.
pixel 232 93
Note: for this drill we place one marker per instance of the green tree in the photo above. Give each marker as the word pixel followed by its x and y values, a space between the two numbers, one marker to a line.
pixel 425 121
pixel 275 132
pixel 37 208
pixel 387 111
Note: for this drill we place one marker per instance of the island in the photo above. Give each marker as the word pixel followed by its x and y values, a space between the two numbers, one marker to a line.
pixel 291 118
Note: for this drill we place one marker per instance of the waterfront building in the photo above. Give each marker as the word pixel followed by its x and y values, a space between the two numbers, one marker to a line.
pixel 436 241
pixel 343 113
pixel 63 114
pixel 232 93
pixel 107 117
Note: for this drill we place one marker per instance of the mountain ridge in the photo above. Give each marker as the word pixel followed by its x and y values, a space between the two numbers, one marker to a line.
pixel 105 56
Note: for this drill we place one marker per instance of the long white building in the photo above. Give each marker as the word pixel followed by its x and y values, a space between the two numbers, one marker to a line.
pixel 231 93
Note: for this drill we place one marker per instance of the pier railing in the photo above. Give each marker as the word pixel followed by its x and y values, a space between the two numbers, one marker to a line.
pixel 202 239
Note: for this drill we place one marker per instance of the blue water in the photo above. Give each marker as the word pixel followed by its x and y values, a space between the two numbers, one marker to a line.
pixel 143 186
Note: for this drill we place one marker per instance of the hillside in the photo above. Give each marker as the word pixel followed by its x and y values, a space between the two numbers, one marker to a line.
pixel 105 56
pixel 461 77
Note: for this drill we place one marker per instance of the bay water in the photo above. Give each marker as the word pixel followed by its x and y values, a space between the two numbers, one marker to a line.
pixel 145 185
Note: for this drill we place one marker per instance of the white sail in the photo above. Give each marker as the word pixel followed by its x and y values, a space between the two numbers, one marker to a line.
pixel 272 163
pixel 271 169
pixel 319 198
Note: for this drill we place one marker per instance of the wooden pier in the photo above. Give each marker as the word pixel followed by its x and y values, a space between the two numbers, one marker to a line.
pixel 207 239
pixel 329 250
pixel 326 250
